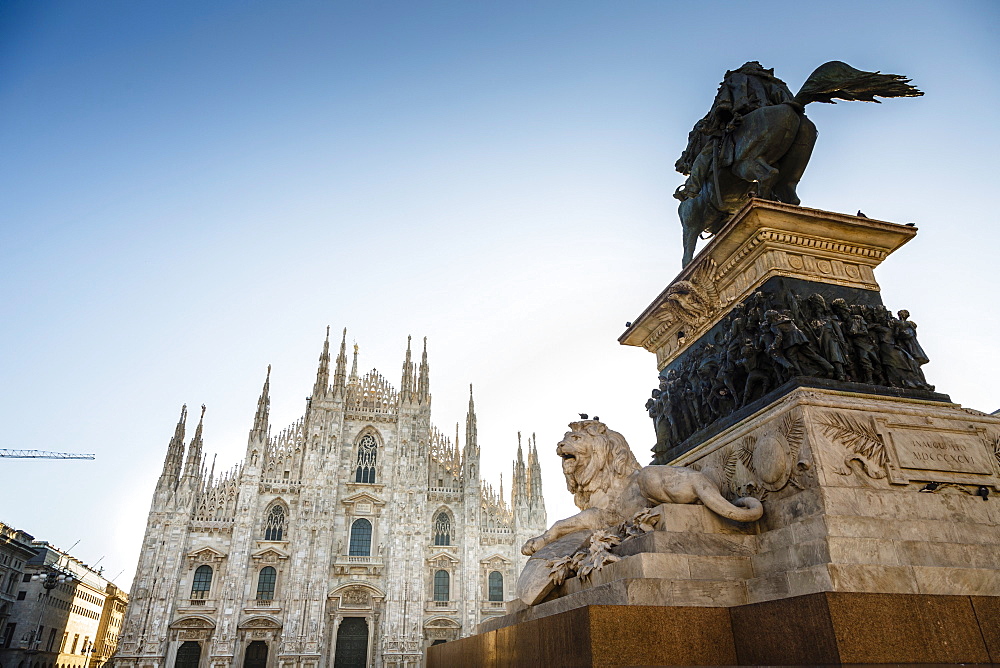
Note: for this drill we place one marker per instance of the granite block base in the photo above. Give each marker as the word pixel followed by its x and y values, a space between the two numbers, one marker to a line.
pixel 832 628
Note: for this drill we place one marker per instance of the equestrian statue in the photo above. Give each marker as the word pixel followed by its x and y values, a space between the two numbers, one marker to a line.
pixel 756 140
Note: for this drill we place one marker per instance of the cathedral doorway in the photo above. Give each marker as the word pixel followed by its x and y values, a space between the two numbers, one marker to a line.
pixel 188 655
pixel 256 656
pixel 352 643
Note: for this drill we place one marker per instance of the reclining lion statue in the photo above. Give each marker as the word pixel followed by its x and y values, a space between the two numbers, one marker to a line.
pixel 609 487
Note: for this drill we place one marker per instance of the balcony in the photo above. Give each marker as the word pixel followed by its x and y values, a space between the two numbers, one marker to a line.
pixel 493 608
pixel 358 565
pixel 441 606
pixel 202 604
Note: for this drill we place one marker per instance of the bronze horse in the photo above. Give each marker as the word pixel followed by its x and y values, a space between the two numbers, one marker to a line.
pixel 764 151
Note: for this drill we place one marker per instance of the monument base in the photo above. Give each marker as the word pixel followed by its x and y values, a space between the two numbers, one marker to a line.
pixel 822 628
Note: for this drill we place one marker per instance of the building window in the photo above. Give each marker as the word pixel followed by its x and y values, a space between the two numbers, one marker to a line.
pixel 21 595
pixel 441 586
pixel 202 582
pixel 76 639
pixel 442 529
pixel 274 523
pixel 495 586
pixel 8 634
pixel 52 640
pixel 367 455
pixel 361 538
pixel 26 578
pixel 265 583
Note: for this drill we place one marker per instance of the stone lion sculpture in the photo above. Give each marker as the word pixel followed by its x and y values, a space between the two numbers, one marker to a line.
pixel 609 487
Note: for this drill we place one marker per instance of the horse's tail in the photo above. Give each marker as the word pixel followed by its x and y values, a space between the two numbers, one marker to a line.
pixel 841 81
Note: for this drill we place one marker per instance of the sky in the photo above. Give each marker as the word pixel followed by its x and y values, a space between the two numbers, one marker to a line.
pixel 191 191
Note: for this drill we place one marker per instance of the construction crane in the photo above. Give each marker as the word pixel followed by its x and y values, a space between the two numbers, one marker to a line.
pixel 42 454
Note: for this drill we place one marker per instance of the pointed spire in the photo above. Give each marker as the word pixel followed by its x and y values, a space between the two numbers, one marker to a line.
pixel 406 385
pixel 175 449
pixel 534 472
pixel 519 488
pixel 323 372
pixel 471 438
pixel 423 384
pixel 260 420
pixel 354 366
pixel 193 464
pixel 340 375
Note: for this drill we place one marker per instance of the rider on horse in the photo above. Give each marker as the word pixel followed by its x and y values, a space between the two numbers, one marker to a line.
pixel 742 91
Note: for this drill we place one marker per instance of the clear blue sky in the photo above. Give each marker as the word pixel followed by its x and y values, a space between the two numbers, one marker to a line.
pixel 190 191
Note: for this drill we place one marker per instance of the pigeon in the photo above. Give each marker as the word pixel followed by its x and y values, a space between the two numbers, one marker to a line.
pixel 583 416
pixel 983 492
pixel 861 215
pixel 930 487
pixel 628 324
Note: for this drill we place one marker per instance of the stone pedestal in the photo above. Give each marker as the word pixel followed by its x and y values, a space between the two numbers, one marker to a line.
pixel 880 540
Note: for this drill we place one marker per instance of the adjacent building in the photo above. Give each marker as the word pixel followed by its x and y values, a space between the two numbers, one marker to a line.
pixel 357 536
pixel 66 614
pixel 15 551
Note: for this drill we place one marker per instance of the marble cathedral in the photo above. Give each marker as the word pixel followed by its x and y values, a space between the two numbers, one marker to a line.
pixel 358 536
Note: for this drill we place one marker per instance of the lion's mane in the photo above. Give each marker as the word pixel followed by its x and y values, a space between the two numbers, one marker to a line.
pixel 611 461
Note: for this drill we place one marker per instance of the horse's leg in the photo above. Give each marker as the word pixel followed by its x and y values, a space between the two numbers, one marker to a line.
pixel 693 224
pixel 793 164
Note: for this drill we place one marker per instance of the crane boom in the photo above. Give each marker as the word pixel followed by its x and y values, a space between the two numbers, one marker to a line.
pixel 43 454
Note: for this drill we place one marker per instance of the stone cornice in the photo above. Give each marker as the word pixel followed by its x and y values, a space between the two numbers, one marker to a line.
pixel 762 240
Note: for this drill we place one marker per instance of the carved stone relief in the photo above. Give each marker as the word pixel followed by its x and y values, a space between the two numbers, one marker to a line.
pixel 860 437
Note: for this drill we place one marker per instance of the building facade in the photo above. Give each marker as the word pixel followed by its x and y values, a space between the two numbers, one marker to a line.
pixel 15 551
pixel 66 615
pixel 357 536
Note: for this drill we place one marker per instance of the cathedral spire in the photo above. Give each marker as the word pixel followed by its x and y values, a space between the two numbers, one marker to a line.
pixel 406 385
pixel 471 437
pixel 423 384
pixel 534 472
pixel 192 466
pixel 175 450
pixel 354 367
pixel 323 372
pixel 260 420
pixel 519 487
pixel 340 375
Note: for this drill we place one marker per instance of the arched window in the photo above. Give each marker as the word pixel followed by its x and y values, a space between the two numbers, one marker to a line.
pixel 367 455
pixel 441 586
pixel 361 538
pixel 274 523
pixel 495 586
pixel 265 583
pixel 202 582
pixel 442 529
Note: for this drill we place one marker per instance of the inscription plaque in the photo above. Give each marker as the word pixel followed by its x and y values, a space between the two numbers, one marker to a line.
pixel 949 452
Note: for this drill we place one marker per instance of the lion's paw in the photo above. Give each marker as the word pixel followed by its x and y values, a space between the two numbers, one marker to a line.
pixel 532 545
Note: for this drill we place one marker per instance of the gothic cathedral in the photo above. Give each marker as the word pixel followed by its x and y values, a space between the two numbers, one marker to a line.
pixel 356 537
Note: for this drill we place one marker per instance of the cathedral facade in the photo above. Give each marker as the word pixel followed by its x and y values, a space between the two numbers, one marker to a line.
pixel 357 536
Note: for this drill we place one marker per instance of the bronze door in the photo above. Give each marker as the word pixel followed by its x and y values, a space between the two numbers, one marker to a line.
pixel 352 643
pixel 256 656
pixel 188 655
